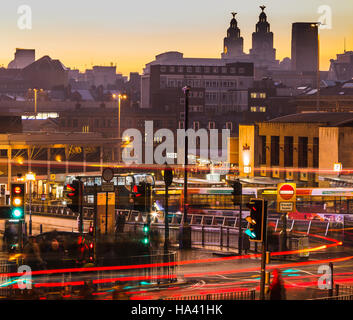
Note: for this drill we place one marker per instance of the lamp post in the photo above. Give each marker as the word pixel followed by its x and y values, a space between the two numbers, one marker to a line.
pixel 120 97
pixel 30 176
pixel 186 231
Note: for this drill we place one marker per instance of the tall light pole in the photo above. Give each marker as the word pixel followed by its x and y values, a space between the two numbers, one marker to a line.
pixel 120 97
pixel 30 176
pixel 186 231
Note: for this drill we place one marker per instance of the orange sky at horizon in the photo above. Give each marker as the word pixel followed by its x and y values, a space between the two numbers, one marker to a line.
pixel 97 35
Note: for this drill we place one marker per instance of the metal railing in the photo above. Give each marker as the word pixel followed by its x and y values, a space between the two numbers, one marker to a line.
pixel 232 295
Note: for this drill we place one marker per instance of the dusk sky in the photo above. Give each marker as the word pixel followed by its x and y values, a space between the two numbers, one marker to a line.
pixel 131 33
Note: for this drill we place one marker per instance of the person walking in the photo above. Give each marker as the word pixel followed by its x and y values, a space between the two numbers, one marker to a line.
pixel 32 255
pixel 277 290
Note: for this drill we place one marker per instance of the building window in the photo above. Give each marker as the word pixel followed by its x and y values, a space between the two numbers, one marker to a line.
pixel 241 70
pixel 316 153
pixel 198 69
pixel 189 69
pixel 253 109
pixel 172 69
pixel 262 109
pixel 229 126
pixel 182 115
pixel 232 70
pixel 274 150
pixel 262 95
pixel 303 152
pixel 211 125
pixel 288 151
pixel 163 68
pixel 181 69
pixel 224 70
pixel 207 69
pixel 253 95
pixel 215 70
pixel 196 125
pixel 263 149
pixel 181 125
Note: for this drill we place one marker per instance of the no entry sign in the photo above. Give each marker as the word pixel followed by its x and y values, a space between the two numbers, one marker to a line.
pixel 286 197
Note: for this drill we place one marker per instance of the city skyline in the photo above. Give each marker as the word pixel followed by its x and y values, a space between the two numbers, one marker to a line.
pixel 82 35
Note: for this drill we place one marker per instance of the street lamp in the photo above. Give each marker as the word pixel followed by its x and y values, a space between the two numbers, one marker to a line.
pixel 30 176
pixel 120 97
pixel 186 231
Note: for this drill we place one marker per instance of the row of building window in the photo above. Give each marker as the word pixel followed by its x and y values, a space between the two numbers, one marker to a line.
pixel 203 69
pixel 288 149
pixel 177 83
pixel 258 95
pixel 258 109
pixel 211 125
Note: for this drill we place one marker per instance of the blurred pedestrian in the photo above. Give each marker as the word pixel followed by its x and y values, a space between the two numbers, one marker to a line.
pixel 277 290
pixel 86 291
pixel 54 255
pixel 246 243
pixel 119 293
pixel 32 254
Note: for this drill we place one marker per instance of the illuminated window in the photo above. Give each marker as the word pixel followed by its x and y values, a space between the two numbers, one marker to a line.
pixel 262 109
pixel 262 95
pixel 253 109
pixel 253 95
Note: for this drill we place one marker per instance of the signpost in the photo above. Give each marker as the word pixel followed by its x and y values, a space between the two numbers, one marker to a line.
pixel 107 176
pixel 286 202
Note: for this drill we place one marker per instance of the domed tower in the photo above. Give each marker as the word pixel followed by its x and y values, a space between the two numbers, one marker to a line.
pixel 233 42
pixel 262 41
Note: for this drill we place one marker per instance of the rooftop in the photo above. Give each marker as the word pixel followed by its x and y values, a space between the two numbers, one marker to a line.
pixel 328 118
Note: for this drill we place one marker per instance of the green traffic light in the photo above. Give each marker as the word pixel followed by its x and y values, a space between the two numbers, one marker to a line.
pixel 145 229
pixel 17 213
pixel 145 240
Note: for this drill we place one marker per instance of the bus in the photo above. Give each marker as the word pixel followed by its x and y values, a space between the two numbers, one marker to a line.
pixel 126 187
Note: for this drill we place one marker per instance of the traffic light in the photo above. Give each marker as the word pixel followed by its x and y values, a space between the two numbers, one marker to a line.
pixel 17 201
pixel 143 197
pixel 257 220
pixel 168 174
pixel 91 251
pixel 73 193
pixel 237 192
pixel 146 234
pixel 91 229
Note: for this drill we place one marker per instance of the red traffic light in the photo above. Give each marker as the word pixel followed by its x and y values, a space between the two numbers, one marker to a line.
pixel 17 190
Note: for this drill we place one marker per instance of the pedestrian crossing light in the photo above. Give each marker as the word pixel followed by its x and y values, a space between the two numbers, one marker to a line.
pixel 146 236
pixel 17 201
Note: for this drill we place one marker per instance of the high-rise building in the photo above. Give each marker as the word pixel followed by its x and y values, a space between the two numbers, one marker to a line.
pixel 263 52
pixel 233 42
pixel 305 46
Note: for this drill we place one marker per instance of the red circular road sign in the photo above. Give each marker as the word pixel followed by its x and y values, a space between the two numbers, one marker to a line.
pixel 286 192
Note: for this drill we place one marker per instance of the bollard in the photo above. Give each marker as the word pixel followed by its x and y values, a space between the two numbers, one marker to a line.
pixel 221 239
pixel 228 238
pixel 41 229
pixel 203 235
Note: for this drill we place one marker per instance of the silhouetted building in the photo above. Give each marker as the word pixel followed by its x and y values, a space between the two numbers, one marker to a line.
pixel 305 46
pixel 23 58
pixel 45 73
pixel 263 52
pixel 233 42
pixel 342 67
